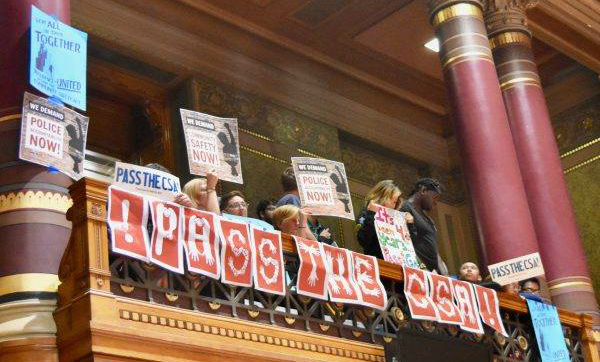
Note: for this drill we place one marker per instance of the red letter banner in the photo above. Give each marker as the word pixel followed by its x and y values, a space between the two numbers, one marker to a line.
pixel 312 274
pixel 340 285
pixel 489 308
pixel 201 242
pixel 366 275
pixel 442 297
pixel 128 220
pixel 465 299
pixel 236 253
pixel 167 247
pixel 269 271
pixel 416 289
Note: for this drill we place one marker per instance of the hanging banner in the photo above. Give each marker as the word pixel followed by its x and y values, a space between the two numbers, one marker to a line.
pixel 269 267
pixel 166 248
pixel 442 296
pixel 517 269
pixel 146 180
pixel 312 273
pixel 548 332
pixel 128 223
pixel 58 59
pixel 418 296
pixel 236 253
pixel 394 238
pixel 467 304
pixel 201 242
pixel 489 308
pixel 52 135
pixel 323 187
pixel 212 144
pixel 366 275
pixel 340 284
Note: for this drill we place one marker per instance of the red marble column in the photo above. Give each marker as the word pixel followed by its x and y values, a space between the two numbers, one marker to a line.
pixel 560 246
pixel 488 153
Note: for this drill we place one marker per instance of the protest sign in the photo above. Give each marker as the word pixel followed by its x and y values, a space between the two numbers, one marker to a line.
pixel 323 187
pixel 517 269
pixel 52 135
pixel 147 181
pixel 467 304
pixel 442 296
pixel 489 308
pixel 128 220
pixel 313 272
pixel 166 246
pixel 212 144
pixel 341 284
pixel 418 294
pixel 201 242
pixel 58 59
pixel 366 275
pixel 394 238
pixel 269 267
pixel 236 253
pixel 548 332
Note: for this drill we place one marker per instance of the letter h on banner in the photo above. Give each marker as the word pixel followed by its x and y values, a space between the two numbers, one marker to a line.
pixel 128 220
pixel 340 285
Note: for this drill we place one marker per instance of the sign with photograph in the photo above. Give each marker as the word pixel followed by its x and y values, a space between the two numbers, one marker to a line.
pixel 146 180
pixel 58 59
pixel 53 135
pixel 394 238
pixel 212 144
pixel 323 187
pixel 517 269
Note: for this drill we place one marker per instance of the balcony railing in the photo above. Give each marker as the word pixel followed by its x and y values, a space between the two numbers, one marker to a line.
pixel 107 302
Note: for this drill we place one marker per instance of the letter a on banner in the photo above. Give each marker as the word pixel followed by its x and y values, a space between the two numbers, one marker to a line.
pixel 366 275
pixel 489 308
pixel 167 245
pixel 201 242
pixel 236 253
pixel 341 284
pixel 441 295
pixel 465 299
pixel 312 274
pixel 269 272
pixel 128 220
pixel 416 289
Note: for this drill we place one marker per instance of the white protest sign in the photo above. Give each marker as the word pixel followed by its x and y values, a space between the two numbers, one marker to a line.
pixel 517 269
pixel 146 181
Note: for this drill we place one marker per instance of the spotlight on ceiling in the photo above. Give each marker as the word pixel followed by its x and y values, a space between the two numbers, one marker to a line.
pixel 433 45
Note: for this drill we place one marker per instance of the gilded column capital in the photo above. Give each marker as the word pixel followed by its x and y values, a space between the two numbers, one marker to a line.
pixel 507 15
pixel 436 5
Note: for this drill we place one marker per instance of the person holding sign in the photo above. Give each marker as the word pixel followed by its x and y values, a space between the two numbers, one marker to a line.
pixel 202 193
pixel 385 194
pixel 292 220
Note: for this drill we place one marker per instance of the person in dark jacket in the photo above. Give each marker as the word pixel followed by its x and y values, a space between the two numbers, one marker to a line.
pixel 386 194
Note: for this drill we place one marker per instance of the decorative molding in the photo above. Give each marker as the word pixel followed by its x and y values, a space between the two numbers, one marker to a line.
pixel 24 319
pixel 585 163
pixel 580 148
pixel 29 282
pixel 507 15
pixel 35 200
pixel 10 117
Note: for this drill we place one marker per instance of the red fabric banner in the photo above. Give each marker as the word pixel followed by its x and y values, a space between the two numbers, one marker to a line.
pixel 236 253
pixel 366 275
pixel 128 220
pixel 341 284
pixel 416 290
pixel 201 242
pixel 465 300
pixel 312 274
pixel 166 243
pixel 442 296
pixel 269 267
pixel 489 308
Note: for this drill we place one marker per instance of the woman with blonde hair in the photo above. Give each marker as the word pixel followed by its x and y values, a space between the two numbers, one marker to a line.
pixel 385 194
pixel 292 220
pixel 200 193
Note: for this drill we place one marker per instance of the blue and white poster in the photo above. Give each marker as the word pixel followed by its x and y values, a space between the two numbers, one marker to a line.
pixel 58 59
pixel 548 332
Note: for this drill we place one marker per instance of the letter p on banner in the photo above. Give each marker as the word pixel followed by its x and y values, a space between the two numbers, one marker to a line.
pixel 128 220
pixel 489 308
pixel 167 241
pixel 418 296
pixel 269 268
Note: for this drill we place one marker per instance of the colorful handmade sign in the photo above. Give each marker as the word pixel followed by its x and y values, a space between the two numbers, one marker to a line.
pixel 394 238
pixel 366 275
pixel 236 253
pixel 201 242
pixel 313 272
pixel 166 246
pixel 418 296
pixel 128 223
pixel 269 267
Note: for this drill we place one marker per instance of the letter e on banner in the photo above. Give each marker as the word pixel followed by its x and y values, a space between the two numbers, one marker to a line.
pixel 489 308
pixel 416 289
pixel 366 275
pixel 167 246
pixel 340 285
pixel 441 295
pixel 269 270
pixel 201 242
pixel 128 220
pixel 312 274
pixel 236 253
pixel 465 300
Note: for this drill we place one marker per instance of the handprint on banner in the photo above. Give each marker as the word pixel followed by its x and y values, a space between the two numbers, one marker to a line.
pixel 312 253
pixel 338 276
pixel 363 277
pixel 230 149
pixel 196 223
pixel 268 261
pixel 162 232
pixel 237 251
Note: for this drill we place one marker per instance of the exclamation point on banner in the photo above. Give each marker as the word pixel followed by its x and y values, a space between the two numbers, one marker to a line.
pixel 487 307
pixel 125 225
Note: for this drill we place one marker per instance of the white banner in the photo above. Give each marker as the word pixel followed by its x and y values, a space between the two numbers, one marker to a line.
pixel 147 181
pixel 517 269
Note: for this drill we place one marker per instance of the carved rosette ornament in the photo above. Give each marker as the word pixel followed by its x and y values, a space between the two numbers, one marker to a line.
pixel 507 16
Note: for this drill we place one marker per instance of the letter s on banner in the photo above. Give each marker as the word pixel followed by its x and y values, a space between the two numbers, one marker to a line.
pixel 312 274
pixel 465 300
pixel 236 253
pixel 201 242
pixel 418 296
pixel 442 297
pixel 269 267
pixel 341 284
pixel 128 220
pixel 167 247
pixel 489 308
pixel 366 275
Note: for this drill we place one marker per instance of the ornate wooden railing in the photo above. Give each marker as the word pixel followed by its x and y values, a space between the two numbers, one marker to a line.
pixel 111 305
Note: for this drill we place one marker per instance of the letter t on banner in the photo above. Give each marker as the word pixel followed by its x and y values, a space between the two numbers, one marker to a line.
pixel 416 290
pixel 489 308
